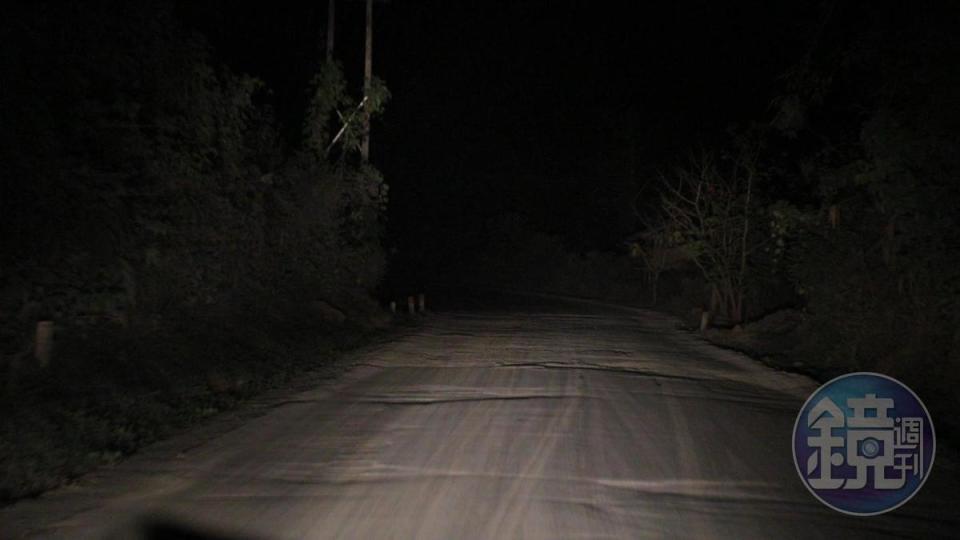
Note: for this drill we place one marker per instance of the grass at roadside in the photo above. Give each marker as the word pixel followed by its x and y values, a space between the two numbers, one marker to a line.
pixel 111 390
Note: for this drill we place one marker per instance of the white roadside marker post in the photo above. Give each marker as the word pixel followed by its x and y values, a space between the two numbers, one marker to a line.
pixel 43 343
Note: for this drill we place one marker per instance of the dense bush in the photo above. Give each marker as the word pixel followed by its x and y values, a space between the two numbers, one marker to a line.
pixel 875 244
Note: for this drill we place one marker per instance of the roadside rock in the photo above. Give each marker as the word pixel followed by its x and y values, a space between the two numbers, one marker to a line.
pixel 327 312
pixel 779 322
pixel 773 335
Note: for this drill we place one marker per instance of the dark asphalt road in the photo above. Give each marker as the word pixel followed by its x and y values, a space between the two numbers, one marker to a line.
pixel 542 420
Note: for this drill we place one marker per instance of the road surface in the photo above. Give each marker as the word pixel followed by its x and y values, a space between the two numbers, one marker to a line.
pixel 541 420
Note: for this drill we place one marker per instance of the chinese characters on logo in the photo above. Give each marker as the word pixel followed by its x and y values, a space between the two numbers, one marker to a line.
pixel 863 443
pixel 882 449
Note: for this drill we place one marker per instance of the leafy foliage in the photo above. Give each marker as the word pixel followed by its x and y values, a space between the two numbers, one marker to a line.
pixel 875 250
pixel 330 96
pixel 864 153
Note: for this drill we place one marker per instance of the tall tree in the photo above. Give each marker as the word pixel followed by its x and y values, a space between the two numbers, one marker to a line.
pixel 707 208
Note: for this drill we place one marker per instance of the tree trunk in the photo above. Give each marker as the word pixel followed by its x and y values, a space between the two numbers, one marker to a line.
pixel 737 312
pixel 331 27
pixel 367 76
pixel 715 298
pixel 738 315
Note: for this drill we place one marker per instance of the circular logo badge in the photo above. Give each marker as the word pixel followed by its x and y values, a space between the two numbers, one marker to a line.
pixel 863 444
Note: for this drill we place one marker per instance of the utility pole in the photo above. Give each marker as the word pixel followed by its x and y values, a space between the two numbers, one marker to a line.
pixel 367 76
pixel 331 26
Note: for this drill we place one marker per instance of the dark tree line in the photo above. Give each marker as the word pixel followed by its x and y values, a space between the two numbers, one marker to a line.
pixel 854 200
pixel 141 175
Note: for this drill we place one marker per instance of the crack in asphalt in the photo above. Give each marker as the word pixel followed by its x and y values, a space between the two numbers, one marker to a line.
pixel 440 401
pixel 598 367
pixel 428 401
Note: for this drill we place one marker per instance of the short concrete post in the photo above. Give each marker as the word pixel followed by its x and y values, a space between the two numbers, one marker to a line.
pixel 411 307
pixel 393 306
pixel 704 321
pixel 43 343
pixel 421 302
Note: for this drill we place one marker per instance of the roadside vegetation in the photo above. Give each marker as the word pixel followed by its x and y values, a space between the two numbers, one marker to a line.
pixel 187 254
